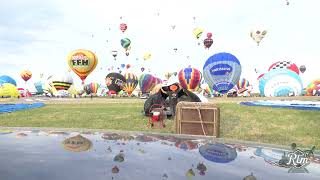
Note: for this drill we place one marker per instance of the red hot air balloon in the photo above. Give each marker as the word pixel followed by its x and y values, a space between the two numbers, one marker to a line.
pixel 123 27
pixel 285 64
pixel 209 35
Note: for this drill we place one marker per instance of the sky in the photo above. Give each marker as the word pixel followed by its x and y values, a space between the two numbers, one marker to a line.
pixel 38 35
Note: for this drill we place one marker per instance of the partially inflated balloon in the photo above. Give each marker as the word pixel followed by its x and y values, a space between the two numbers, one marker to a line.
pixel 146 82
pixel 190 78
pixel 8 90
pixel 131 83
pixel 222 72
pixel 115 82
pixel 62 81
pixel 125 43
pixel 26 75
pixel 82 62
pixel 7 79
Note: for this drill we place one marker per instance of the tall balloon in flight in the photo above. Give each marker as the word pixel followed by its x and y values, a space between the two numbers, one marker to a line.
pixel 26 75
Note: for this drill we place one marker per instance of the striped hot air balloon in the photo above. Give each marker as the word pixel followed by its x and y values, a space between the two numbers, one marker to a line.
pixel 93 87
pixel 190 78
pixel 62 82
pixel 242 85
pixel 26 75
pixel 131 83
pixel 222 72
pixel 146 83
pixel 313 86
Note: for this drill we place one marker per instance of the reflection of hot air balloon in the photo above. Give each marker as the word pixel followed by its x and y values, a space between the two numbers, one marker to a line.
pixel 258 35
pixel 114 54
pixel 146 83
pixel 222 71
pixel 131 83
pixel 302 68
pixel 77 144
pixel 115 82
pixel 186 145
pixel 147 56
pixel 7 79
pixel 285 65
pixel 314 86
pixel 219 153
pixel 62 82
pixel 125 43
pixel 190 78
pixel 197 32
pixel 280 82
pixel 123 27
pixel 82 62
pixel 26 75
pixel 93 87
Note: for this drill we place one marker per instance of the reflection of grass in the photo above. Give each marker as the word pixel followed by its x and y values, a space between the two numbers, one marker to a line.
pixel 266 125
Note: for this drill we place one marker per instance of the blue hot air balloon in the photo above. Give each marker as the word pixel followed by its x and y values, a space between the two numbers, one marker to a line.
pixel 222 72
pixel 7 79
pixel 39 86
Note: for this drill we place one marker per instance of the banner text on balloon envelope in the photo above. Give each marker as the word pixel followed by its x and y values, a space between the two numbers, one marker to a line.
pixel 221 69
pixel 80 60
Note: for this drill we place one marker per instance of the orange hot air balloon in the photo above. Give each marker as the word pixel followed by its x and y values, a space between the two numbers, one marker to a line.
pixel 82 62
pixel 26 75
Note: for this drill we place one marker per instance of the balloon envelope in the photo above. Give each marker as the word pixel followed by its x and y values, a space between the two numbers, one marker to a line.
pixel 146 83
pixel 26 75
pixel 125 43
pixel 302 68
pixel 7 79
pixel 222 72
pixel 131 83
pixel 313 86
pixel 285 65
pixel 115 82
pixel 190 78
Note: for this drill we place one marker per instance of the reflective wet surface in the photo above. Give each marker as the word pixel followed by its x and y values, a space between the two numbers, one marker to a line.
pixel 60 155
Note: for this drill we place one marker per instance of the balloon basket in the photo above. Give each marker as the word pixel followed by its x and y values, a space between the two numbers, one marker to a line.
pixel 157 116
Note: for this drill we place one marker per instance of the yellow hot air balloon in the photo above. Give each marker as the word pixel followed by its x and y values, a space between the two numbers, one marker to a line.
pixel 147 56
pixel 82 62
pixel 197 32
pixel 26 75
pixel 8 90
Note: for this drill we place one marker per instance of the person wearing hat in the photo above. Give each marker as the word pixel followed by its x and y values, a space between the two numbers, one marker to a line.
pixel 169 95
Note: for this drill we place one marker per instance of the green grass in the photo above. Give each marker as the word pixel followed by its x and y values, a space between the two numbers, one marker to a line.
pixel 259 124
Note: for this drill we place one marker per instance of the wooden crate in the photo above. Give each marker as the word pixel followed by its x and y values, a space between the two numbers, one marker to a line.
pixel 188 120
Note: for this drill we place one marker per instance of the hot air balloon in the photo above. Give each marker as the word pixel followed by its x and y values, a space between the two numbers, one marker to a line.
pixel 128 66
pixel 258 35
pixel 142 69
pixel 125 43
pixel 93 87
pixel 62 82
pixel 26 75
pixel 207 43
pixel 146 83
pixel 313 86
pixel 115 82
pixel 82 62
pixel 197 32
pixel 280 82
pixel 242 85
pixel 39 85
pixel 8 90
pixel 7 79
pixel 302 68
pixel 123 27
pixel 222 71
pixel 114 54
pixel 168 75
pixel 285 65
pixel 147 56
pixel 190 79
pixel 209 35
pixel 131 83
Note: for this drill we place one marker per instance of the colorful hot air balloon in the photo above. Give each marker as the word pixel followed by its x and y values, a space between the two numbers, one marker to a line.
pixel 207 43
pixel 146 83
pixel 123 27
pixel 302 68
pixel 242 85
pixel 197 32
pixel 7 79
pixel 190 78
pixel 313 86
pixel 26 75
pixel 125 43
pixel 93 87
pixel 285 65
pixel 62 82
pixel 131 83
pixel 280 82
pixel 258 35
pixel 82 62
pixel 115 82
pixel 222 72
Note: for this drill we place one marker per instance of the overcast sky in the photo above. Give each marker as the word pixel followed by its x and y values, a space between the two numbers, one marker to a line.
pixel 38 35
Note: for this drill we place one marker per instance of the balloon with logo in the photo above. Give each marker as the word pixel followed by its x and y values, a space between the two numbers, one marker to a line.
pixel 222 72
pixel 82 62
pixel 26 75
pixel 190 79
pixel 302 68
pixel 123 27
pixel 146 83
pixel 131 83
pixel 115 82
pixel 285 65
pixel 258 35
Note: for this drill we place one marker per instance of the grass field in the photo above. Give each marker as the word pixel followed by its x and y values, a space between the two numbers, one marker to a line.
pixel 259 124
